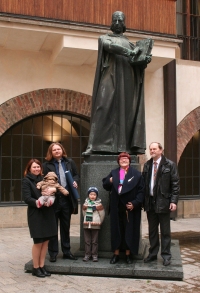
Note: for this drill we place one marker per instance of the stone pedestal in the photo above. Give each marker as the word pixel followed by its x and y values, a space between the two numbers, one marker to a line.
pixel 138 269
pixel 93 170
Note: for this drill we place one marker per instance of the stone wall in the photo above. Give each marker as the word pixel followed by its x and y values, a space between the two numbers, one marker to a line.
pixel 16 217
pixel 41 101
pixel 186 129
pixel 13 217
pixel 189 209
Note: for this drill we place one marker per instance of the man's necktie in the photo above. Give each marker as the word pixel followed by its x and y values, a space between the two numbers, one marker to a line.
pixel 62 174
pixel 155 171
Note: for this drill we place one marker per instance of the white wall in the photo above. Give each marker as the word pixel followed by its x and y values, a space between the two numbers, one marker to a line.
pixel 154 107
pixel 188 97
pixel 23 71
pixel 188 87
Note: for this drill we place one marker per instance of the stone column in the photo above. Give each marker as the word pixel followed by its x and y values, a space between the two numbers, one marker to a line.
pixel 170 131
pixel 170 122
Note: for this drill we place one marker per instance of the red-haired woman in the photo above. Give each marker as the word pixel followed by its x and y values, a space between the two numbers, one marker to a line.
pixel 126 188
pixel 41 219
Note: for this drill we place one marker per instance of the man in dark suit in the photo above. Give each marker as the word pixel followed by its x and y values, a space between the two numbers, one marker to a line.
pixel 64 206
pixel 161 197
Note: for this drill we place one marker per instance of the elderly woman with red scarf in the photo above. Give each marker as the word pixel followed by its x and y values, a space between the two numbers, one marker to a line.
pixel 126 188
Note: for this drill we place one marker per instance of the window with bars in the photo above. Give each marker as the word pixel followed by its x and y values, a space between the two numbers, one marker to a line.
pixel 31 139
pixel 188 28
pixel 189 168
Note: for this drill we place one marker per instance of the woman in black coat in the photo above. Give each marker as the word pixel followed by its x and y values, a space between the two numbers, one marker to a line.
pixel 126 188
pixel 41 219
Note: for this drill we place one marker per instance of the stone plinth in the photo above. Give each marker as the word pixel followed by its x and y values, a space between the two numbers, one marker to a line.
pixel 138 269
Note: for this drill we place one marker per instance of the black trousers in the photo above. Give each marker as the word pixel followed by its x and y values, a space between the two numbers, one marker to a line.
pixel 154 220
pixel 63 209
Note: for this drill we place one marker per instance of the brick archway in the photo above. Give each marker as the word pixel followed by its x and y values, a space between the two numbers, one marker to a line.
pixel 40 101
pixel 186 129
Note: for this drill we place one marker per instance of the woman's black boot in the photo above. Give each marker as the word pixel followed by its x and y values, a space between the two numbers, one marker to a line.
pixel 38 273
pixel 114 259
pixel 45 272
pixel 129 259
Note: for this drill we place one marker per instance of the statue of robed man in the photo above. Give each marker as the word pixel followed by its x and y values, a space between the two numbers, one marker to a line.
pixel 118 116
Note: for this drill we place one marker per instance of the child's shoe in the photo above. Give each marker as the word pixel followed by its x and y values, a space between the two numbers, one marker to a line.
pixel 50 202
pixel 39 203
pixel 95 258
pixel 86 258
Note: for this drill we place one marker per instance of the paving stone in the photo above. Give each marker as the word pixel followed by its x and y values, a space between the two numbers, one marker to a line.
pixel 14 253
pixel 189 259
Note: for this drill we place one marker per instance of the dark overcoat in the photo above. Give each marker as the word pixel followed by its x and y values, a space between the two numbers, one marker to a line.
pixel 70 165
pixel 41 221
pixel 166 189
pixel 132 191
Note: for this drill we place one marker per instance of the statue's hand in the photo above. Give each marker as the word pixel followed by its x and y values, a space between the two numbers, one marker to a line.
pixel 148 58
pixel 132 57
pixel 133 53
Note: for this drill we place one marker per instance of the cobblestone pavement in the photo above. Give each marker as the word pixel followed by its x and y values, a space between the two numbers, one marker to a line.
pixel 15 251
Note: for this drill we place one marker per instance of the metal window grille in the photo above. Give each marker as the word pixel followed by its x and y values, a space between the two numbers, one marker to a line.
pixel 31 139
pixel 189 169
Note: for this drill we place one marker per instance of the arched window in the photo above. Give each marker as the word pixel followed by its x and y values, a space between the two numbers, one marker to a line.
pixel 30 139
pixel 189 168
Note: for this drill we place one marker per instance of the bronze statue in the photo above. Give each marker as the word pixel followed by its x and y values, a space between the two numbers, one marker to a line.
pixel 117 116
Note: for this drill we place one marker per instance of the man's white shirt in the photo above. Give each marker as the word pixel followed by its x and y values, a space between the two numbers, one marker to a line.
pixel 152 175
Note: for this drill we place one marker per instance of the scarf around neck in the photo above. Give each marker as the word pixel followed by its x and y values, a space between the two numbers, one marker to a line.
pixel 122 174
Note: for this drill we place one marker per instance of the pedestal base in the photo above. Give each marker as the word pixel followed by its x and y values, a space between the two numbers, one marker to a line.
pixel 102 268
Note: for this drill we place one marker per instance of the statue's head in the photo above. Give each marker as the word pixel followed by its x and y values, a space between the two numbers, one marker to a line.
pixel 118 22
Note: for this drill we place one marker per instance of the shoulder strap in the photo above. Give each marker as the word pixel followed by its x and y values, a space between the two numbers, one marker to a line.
pixel 68 163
